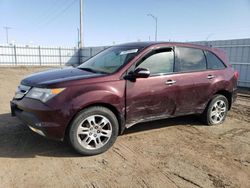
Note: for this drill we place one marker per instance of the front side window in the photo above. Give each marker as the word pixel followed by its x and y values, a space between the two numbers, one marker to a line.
pixel 110 60
pixel 213 62
pixel 189 59
pixel 158 61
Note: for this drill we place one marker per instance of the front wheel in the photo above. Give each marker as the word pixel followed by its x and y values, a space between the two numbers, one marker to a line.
pixel 93 131
pixel 216 110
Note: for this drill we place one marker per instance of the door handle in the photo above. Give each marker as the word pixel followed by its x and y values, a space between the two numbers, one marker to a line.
pixel 210 77
pixel 170 82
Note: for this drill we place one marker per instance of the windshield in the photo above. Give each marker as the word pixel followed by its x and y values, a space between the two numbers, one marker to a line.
pixel 110 60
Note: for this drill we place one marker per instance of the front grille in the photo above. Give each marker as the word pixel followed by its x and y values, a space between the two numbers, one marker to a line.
pixel 21 91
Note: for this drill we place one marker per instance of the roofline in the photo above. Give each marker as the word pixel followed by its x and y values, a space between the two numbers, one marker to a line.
pixel 162 43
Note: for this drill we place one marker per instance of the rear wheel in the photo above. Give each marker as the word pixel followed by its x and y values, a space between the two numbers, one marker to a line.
pixel 216 110
pixel 93 131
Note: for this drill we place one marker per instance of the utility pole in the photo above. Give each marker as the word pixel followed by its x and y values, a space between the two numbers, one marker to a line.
pixel 209 35
pixel 78 38
pixel 7 33
pixel 81 42
pixel 156 24
pixel 207 42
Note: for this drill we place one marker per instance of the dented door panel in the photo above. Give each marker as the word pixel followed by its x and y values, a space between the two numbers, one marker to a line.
pixel 153 98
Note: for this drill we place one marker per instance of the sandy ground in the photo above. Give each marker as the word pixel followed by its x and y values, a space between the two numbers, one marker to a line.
pixel 178 152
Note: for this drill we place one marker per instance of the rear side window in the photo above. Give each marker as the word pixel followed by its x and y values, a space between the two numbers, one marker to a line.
pixel 213 62
pixel 189 59
pixel 159 61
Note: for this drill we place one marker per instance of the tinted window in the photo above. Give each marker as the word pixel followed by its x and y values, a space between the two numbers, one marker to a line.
pixel 213 62
pixel 190 59
pixel 159 61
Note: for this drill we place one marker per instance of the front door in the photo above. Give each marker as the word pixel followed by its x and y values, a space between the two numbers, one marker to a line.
pixel 160 95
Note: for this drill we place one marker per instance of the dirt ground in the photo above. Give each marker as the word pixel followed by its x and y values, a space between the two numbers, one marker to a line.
pixel 178 152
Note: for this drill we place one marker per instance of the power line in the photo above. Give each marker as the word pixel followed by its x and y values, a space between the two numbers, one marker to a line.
pixel 53 8
pixel 60 13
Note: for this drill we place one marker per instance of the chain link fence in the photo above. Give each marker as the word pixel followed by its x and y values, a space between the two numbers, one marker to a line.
pixel 37 56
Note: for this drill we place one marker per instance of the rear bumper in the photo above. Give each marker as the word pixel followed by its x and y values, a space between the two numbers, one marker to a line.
pixel 40 118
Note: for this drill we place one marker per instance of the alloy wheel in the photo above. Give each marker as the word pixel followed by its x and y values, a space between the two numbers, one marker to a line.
pixel 94 132
pixel 218 111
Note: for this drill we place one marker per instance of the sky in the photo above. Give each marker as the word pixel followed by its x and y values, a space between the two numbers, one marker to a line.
pixel 107 22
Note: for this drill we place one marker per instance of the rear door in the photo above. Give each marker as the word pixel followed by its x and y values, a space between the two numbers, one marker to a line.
pixel 207 82
pixel 190 63
pixel 206 70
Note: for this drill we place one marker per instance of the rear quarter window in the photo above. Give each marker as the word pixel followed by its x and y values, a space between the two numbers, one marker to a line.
pixel 213 62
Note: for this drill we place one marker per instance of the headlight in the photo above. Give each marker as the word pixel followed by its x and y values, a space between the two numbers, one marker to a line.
pixel 43 94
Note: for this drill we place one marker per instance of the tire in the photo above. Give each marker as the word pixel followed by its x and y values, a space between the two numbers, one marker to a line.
pixel 93 130
pixel 216 110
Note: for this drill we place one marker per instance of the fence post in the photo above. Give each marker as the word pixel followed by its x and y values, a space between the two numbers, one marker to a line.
pixel 15 55
pixel 60 56
pixel 91 52
pixel 39 54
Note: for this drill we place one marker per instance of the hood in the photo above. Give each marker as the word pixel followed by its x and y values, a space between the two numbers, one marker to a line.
pixel 44 78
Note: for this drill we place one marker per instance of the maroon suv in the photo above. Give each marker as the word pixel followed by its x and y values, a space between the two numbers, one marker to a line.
pixel 123 85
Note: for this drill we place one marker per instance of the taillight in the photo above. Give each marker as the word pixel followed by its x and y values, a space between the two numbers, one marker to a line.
pixel 236 74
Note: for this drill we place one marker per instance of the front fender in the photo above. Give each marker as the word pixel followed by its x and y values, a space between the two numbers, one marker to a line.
pixel 98 97
pixel 110 94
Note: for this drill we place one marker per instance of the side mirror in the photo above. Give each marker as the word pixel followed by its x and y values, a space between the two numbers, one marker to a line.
pixel 138 73
pixel 141 73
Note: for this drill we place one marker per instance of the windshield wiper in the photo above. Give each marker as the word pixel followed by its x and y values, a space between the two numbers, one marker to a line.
pixel 91 70
pixel 87 69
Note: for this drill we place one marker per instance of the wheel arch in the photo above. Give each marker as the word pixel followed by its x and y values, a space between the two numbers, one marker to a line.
pixel 119 116
pixel 228 95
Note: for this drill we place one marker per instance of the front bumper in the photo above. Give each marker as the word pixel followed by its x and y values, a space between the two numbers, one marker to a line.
pixel 40 118
pixel 27 118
